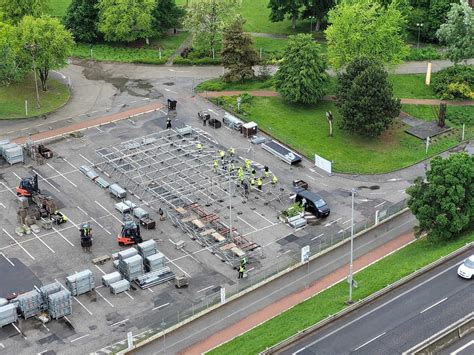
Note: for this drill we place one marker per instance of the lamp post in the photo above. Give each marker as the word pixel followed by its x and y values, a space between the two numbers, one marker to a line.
pixel 419 25
pixel 311 23
pixel 353 191
pixel 32 48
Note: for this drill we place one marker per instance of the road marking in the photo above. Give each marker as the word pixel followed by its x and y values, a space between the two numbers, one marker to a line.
pixel 90 313
pixel 311 177
pixel 318 236
pixel 211 110
pixel 347 221
pixel 371 340
pixel 82 337
pixel 206 288
pixel 158 307
pixel 46 181
pixel 434 305
pixel 62 236
pixel 2 346
pixel 21 246
pixel 11 190
pixel 378 307
pixel 42 241
pixel 174 92
pixel 332 222
pixel 377 193
pixel 83 157
pixel 286 252
pixel 116 323
pixel 264 218
pixel 129 295
pixel 58 172
pixel 80 209
pixel 171 261
pixel 394 179
pixel 102 271
pixel 45 327
pixel 462 348
pixel 1 204
pixel 380 204
pixel 314 171
pixel 106 210
pixel 247 223
pixel 19 331
pixel 6 258
pixel 106 300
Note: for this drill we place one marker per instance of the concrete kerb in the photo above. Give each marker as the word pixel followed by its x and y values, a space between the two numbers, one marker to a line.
pixel 445 337
pixel 257 285
pixel 283 344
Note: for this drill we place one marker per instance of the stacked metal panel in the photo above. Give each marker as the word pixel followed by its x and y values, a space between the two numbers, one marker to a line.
pixel 155 262
pixel 13 153
pixel 47 290
pixel 111 278
pixel 8 314
pixel 147 248
pixel 119 286
pixel 155 277
pixel 60 304
pixel 80 282
pixel 127 253
pixel 30 303
pixel 131 268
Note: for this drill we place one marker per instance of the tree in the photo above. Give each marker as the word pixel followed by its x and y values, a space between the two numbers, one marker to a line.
pixel 302 77
pixel 318 9
pixel 444 203
pixel 167 15
pixel 206 20
pixel 365 98
pixel 458 32
pixel 365 28
pixel 280 8
pixel 126 20
pixel 43 44
pixel 14 10
pixel 10 70
pixel 238 53
pixel 81 19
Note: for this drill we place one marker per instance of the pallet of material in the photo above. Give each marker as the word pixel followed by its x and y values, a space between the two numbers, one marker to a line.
pixel 155 277
pixel 8 314
pixel 119 286
pixel 111 278
pixel 127 253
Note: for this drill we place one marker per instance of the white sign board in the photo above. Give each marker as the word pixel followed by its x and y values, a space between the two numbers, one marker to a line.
pixel 305 254
pixel 222 294
pixel 129 340
pixel 322 163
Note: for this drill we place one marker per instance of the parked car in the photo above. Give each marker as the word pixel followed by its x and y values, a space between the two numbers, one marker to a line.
pixel 466 269
pixel 313 203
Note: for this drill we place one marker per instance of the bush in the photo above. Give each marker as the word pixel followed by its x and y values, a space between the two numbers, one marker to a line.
pixel 456 82
pixel 197 61
pixel 425 53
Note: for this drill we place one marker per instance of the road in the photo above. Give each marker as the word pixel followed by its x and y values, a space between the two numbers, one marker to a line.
pixel 399 320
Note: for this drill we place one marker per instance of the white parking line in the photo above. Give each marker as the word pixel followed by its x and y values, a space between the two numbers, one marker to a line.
pixel 58 172
pixel 81 337
pixel 97 127
pixel 46 181
pixel 264 218
pixel 247 223
pixel 106 210
pixel 318 236
pixel 83 157
pixel 1 204
pixel 462 347
pixel 42 241
pixel 158 307
pixel 102 271
pixel 106 300
pixel 342 230
pixel 314 171
pixel 377 193
pixel 2 346
pixel 311 177
pixel 11 190
pixel 19 331
pixel 380 204
pixel 116 323
pixel 74 167
pixel 62 236
pixel 332 222
pixel 6 258
pixel 434 305
pixel 368 342
pixel 206 288
pixel 261 229
pixel 90 313
pixel 347 221
pixel 80 209
pixel 171 261
pixel 26 251
pixel 129 295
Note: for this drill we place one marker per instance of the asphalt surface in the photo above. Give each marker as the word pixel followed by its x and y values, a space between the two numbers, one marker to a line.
pixel 239 309
pixel 399 320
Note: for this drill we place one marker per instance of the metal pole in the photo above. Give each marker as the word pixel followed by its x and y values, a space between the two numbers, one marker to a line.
pixel 462 134
pixel 352 248
pixel 230 204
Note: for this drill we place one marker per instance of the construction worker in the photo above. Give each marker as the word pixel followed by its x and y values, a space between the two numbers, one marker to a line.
pixel 246 188
pixel 259 183
pixel 252 173
pixel 161 214
pixel 243 262
pixel 247 164
pixel 231 151
pixel 199 146
pixel 216 166
pixel 274 180
pixel 266 171
pixel 222 154
pixel 231 168
pixel 240 172
pixel 252 182
pixel 241 271
pixel 168 123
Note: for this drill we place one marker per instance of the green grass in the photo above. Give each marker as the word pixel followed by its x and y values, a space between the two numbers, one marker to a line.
pixel 248 85
pixel 12 98
pixel 328 302
pixel 305 129
pixel 411 86
pixel 57 8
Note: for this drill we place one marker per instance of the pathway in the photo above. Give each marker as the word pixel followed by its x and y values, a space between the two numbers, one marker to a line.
pixel 186 43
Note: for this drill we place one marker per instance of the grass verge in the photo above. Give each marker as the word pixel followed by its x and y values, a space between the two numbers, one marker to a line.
pixel 328 302
pixel 12 98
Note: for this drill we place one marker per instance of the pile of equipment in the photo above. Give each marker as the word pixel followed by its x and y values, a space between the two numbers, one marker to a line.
pixel 11 152
pixel 81 282
pixel 30 304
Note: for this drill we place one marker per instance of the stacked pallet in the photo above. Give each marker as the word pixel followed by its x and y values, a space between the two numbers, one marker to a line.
pixel 30 303
pixel 155 262
pixel 127 253
pixel 49 289
pixel 11 152
pixel 147 248
pixel 131 268
pixel 111 278
pixel 60 304
pixel 155 277
pixel 119 286
pixel 80 282
pixel 8 314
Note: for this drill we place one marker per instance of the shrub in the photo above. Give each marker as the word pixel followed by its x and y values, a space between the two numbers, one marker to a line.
pixel 425 53
pixel 456 82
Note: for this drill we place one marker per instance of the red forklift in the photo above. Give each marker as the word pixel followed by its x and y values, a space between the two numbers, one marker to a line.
pixel 130 234
pixel 28 186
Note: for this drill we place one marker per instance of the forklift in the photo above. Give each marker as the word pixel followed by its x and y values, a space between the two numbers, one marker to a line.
pixel 28 186
pixel 130 233
pixel 86 236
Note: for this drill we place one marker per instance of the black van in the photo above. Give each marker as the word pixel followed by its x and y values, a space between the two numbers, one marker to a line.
pixel 313 203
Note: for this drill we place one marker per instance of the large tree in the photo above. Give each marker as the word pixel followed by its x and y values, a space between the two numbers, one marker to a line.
pixel 81 19
pixel 238 53
pixel 458 32
pixel 206 20
pixel 44 44
pixel 10 69
pixel 444 203
pixel 167 15
pixel 365 98
pixel 126 20
pixel 365 28
pixel 280 8
pixel 318 9
pixel 302 77
pixel 14 10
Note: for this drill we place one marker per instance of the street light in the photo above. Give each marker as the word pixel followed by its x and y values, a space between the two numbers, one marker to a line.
pixel 353 191
pixel 311 25
pixel 32 48
pixel 419 25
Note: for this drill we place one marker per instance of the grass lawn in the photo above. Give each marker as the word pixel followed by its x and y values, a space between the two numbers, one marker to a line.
pixel 58 8
pixel 12 98
pixel 330 301
pixel 411 86
pixel 306 130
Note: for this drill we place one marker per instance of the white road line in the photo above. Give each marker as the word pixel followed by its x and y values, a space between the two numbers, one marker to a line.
pixel 83 157
pixel 149 289
pixel 21 246
pixel 90 313
pixel 102 271
pixel 105 299
pixel 368 342
pixel 1 204
pixel 380 204
pixel 434 305
pixel 342 230
pixel 318 236
pixel 158 307
pixel 80 209
pixel 100 225
pixel 106 210
pixel 311 177
pixel 347 221
pixel 129 295
pixel 45 327
pixel 62 236
pixel 247 223
pixel 377 193
pixel 42 241
pixel 286 252
pixel 6 258
pixel 19 331
pixel 264 218
pixel 97 128
pixel 314 171
pixel 174 92
pixel 64 177
pixel 46 181
pixel 184 272
pixel 462 348
pixel 82 337
pixel 116 323
pixel 206 288
pixel 261 229
pixel 250 269
pixel 332 222
pixel 11 190
pixel 2 346
pixel 17 176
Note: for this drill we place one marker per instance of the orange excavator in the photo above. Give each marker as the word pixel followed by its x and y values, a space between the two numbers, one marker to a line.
pixel 130 233
pixel 28 186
